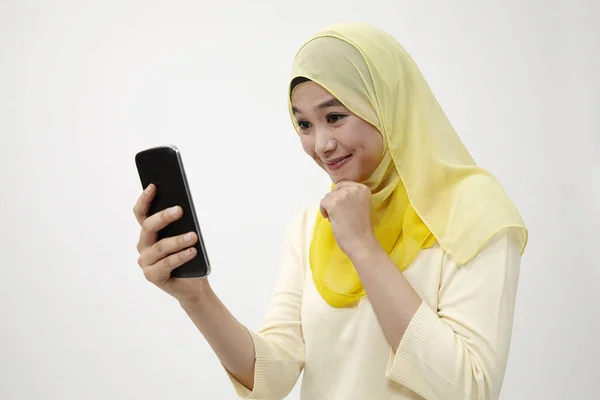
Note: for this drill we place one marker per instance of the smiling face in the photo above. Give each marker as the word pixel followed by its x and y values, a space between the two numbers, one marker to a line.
pixel 341 143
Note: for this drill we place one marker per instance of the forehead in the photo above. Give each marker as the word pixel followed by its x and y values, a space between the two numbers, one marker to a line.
pixel 308 96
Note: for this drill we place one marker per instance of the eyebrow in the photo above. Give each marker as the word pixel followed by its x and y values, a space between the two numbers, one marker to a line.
pixel 332 102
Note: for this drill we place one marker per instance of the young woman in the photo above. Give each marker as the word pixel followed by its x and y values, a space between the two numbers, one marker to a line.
pixel 401 284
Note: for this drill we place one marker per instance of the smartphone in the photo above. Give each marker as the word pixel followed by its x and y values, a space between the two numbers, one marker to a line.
pixel 163 167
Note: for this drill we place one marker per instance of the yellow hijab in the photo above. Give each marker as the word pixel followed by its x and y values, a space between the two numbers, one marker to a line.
pixel 427 186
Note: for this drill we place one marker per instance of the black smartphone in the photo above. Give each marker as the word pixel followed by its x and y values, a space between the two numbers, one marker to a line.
pixel 163 167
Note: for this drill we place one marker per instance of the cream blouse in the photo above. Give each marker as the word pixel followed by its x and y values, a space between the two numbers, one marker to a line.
pixel 455 347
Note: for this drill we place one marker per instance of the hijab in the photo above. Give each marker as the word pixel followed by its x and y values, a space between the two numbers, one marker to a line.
pixel 427 187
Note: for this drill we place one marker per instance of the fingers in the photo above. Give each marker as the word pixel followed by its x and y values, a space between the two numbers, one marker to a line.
pixel 160 272
pixel 345 185
pixel 164 248
pixel 341 184
pixel 154 223
pixel 340 193
pixel 142 205
pixel 159 259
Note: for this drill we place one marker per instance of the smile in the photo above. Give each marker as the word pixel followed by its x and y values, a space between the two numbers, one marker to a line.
pixel 338 164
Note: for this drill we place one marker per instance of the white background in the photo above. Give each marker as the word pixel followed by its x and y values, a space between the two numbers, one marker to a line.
pixel 84 85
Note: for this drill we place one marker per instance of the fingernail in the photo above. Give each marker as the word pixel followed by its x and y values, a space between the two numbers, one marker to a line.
pixel 188 237
pixel 148 189
pixel 173 211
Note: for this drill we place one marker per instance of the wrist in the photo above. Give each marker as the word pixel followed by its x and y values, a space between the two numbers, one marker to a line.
pixel 200 298
pixel 365 250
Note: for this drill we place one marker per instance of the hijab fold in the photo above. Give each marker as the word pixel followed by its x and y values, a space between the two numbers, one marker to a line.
pixel 427 187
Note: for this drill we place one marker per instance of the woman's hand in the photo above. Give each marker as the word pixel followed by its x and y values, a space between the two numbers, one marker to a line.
pixel 158 259
pixel 348 208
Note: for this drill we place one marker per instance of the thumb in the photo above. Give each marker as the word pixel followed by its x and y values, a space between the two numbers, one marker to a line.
pixel 323 210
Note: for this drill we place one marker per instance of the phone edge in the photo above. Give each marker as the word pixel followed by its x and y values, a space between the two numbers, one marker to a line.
pixel 192 208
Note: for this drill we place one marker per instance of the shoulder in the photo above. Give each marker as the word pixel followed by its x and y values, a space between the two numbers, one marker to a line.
pixel 299 229
pixel 506 243
pixel 501 254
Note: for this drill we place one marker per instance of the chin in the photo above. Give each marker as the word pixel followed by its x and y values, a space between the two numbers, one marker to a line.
pixel 343 174
pixel 336 178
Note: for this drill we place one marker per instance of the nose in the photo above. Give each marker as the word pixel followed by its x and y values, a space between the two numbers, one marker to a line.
pixel 324 142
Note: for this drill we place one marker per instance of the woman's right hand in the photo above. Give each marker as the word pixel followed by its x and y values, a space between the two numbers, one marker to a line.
pixel 158 259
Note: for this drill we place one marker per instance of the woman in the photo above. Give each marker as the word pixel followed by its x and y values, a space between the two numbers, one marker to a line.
pixel 401 284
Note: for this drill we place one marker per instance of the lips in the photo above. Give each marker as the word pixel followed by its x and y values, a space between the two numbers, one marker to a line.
pixel 337 160
pixel 337 163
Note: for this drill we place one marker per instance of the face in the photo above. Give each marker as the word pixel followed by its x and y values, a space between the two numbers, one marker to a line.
pixel 341 143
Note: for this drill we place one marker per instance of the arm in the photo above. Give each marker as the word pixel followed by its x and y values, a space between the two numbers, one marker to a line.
pixel 265 364
pixel 459 349
pixel 229 339
pixel 393 299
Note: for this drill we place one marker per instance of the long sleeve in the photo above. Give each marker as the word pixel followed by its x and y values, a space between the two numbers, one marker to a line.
pixel 279 344
pixel 459 349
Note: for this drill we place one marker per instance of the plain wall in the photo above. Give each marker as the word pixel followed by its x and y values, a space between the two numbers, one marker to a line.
pixel 84 85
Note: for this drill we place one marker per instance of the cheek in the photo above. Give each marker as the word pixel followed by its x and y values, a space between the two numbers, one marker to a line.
pixel 372 148
pixel 374 142
pixel 378 147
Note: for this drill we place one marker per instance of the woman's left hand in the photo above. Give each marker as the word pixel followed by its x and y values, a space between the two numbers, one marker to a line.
pixel 348 208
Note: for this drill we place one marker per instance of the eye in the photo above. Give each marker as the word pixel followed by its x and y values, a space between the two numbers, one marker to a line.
pixel 333 118
pixel 303 125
